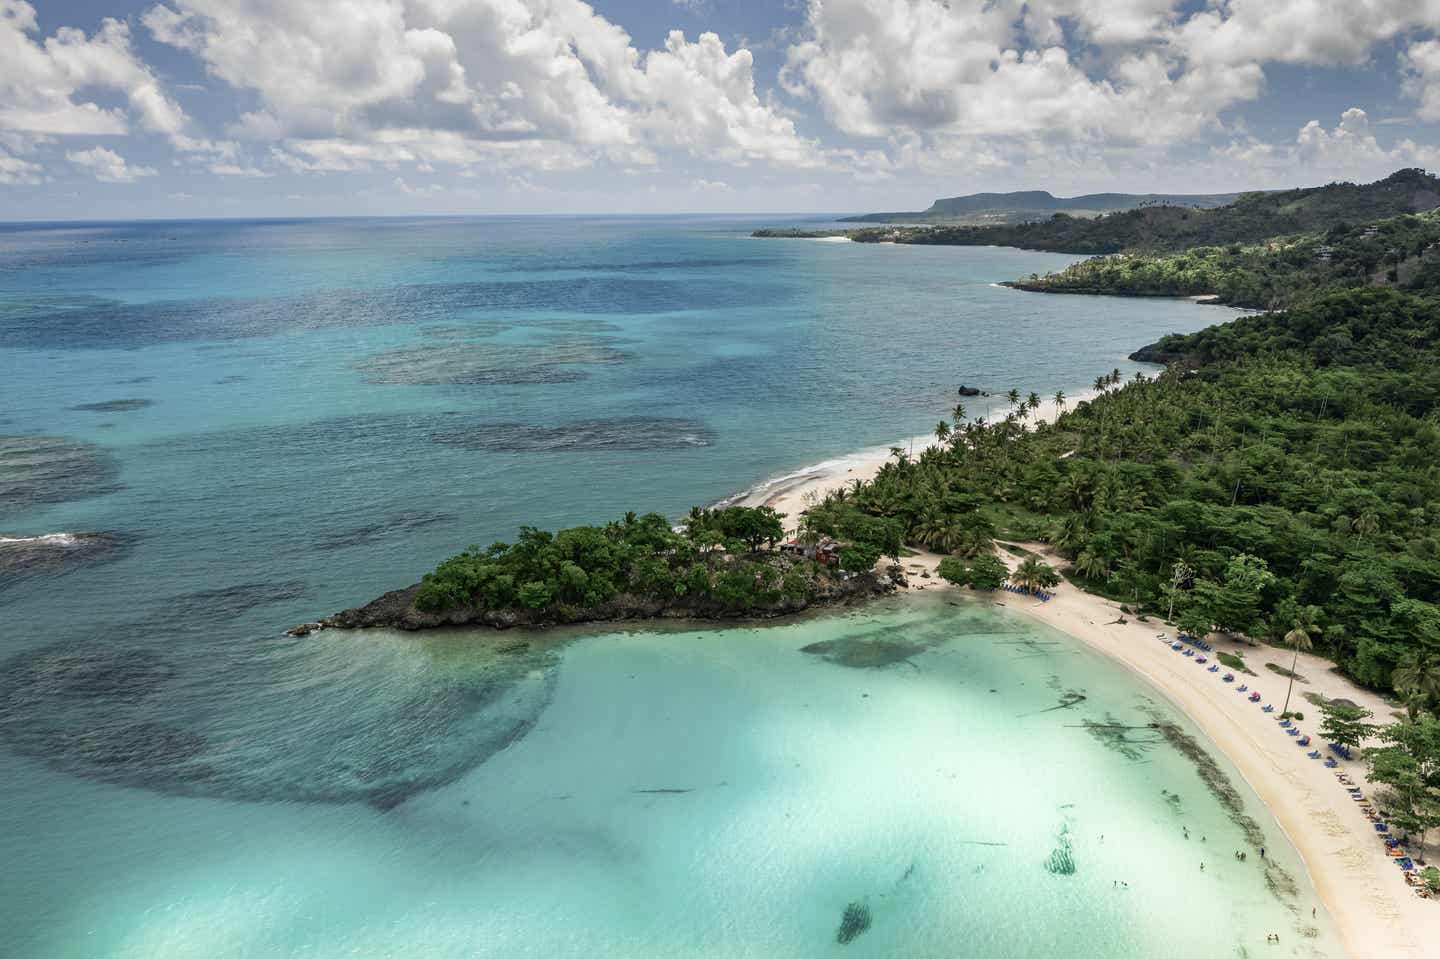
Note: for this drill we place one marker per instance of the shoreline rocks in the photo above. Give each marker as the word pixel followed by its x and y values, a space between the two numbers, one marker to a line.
pixel 396 609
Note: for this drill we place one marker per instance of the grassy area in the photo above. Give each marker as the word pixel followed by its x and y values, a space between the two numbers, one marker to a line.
pixel 1236 662
pixel 1282 671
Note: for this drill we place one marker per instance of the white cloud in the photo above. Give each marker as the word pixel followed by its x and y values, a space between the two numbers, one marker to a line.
pixel 107 166
pixel 1347 151
pixel 409 190
pixel 15 171
pixel 43 83
pixel 962 75
pixel 496 83
pixel 1421 66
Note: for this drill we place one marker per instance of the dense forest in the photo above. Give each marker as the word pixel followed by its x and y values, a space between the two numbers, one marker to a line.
pixel 1402 252
pixel 1253 218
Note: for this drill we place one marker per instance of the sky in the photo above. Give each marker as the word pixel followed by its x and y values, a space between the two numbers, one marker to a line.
pixel 245 108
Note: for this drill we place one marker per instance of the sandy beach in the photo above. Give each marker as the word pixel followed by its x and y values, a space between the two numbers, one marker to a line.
pixel 792 493
pixel 1376 914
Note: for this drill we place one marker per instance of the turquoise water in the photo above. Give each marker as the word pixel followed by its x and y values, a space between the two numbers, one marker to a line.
pixel 275 420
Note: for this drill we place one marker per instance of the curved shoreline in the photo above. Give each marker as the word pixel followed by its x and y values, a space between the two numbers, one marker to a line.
pixel 1374 912
pixel 1376 916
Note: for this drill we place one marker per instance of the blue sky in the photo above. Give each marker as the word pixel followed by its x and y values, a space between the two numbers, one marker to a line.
pixel 154 108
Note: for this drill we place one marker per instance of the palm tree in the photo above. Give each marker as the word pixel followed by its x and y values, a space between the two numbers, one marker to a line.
pixel 1297 639
pixel 1366 524
pixel 958 413
pixel 1033 400
pixel 1014 397
pixel 942 431
pixel 1059 401
pixel 1418 683
pixel 1100 383
pixel 1092 565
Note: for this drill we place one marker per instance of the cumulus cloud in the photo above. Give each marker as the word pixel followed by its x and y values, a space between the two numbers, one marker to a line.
pixel 45 83
pixel 15 171
pixel 1421 66
pixel 538 82
pixel 1153 71
pixel 107 166
pixel 1347 151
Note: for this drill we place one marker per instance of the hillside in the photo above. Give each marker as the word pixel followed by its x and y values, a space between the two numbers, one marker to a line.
pixel 1253 218
pixel 978 209
pixel 1401 252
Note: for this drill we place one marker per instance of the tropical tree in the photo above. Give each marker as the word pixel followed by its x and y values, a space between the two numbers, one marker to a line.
pixel 1298 638
pixel 1059 401
pixel 1092 565
pixel 942 431
pixel 1014 397
pixel 1417 680
pixel 1033 574
pixel 1344 724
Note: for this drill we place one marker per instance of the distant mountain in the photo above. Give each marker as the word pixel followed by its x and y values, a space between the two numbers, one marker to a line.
pixel 978 209
pixel 1252 218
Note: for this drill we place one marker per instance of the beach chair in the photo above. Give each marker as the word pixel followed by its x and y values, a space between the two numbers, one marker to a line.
pixel 1314 754
pixel 1284 723
pixel 1331 764
pixel 1268 709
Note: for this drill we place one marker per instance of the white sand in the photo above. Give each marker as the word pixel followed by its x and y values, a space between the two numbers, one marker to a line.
pixel 792 493
pixel 1377 914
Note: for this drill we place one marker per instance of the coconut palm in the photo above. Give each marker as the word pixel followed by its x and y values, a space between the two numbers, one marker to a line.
pixel 1418 683
pixel 1297 639
pixel 1100 384
pixel 1092 565
pixel 958 413
pixel 942 431
pixel 1059 400
pixel 1014 397
pixel 1366 524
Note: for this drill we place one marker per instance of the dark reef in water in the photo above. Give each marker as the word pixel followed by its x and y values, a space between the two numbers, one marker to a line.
pixel 861 653
pixel 1277 878
pixel 40 470
pixel 402 522
pixel 22 556
pixel 114 406
pixel 854 921
pixel 623 433
pixel 470 362
pixel 230 601
pixel 153 718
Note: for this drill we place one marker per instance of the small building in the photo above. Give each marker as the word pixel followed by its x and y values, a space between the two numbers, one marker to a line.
pixel 825 551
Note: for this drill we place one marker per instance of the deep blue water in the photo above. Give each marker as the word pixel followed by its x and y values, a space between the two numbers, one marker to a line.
pixel 278 420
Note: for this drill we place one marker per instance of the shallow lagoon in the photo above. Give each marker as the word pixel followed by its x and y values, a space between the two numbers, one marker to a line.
pixel 721 792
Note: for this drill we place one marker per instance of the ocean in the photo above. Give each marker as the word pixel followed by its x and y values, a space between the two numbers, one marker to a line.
pixel 269 421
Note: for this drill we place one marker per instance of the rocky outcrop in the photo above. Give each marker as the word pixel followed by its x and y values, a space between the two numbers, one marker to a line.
pixel 53 552
pixel 1157 353
pixel 396 609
